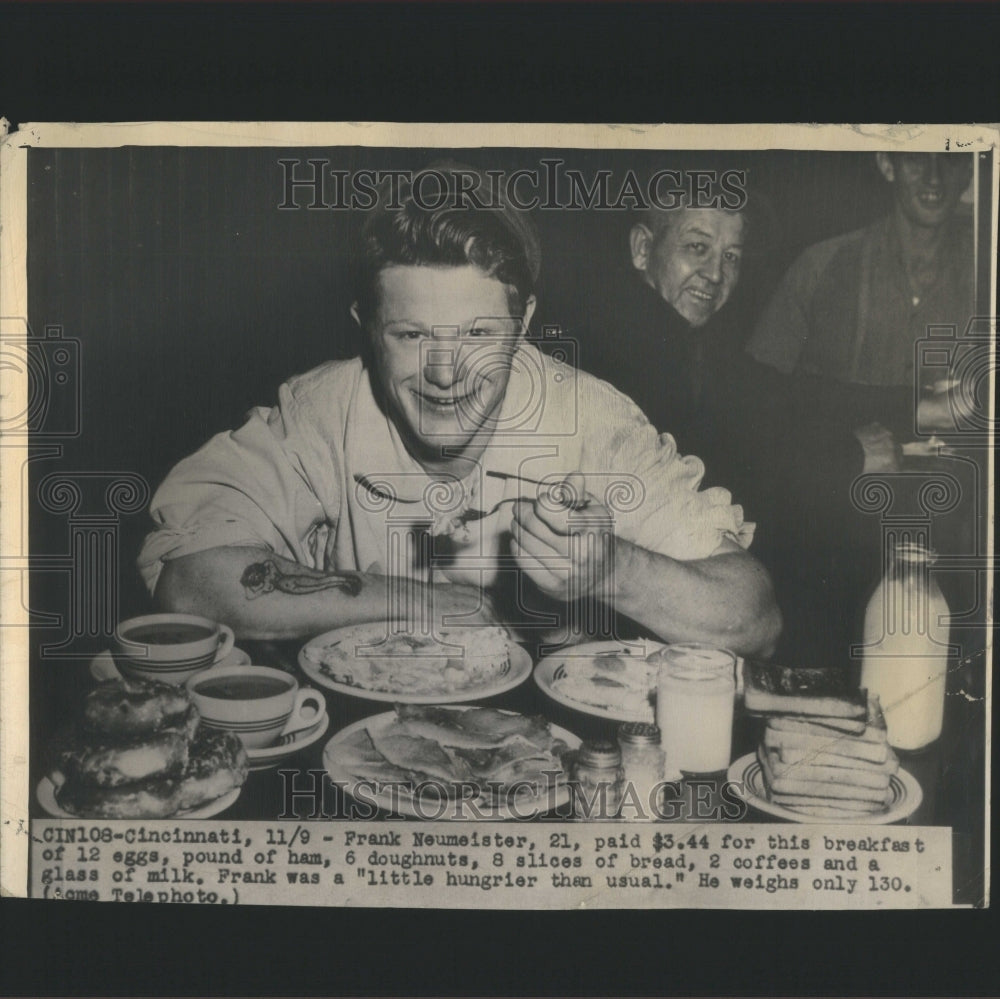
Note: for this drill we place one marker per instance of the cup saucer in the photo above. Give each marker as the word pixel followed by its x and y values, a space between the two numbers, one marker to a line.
pixel 270 756
pixel 103 667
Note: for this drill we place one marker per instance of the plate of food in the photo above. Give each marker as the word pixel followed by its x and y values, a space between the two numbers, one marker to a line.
pixel 606 679
pixel 436 762
pixel 45 792
pixel 137 750
pixel 458 664
pixel 901 798
pixel 824 753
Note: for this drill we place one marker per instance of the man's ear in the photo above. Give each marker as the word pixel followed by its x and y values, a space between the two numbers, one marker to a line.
pixel 885 167
pixel 640 241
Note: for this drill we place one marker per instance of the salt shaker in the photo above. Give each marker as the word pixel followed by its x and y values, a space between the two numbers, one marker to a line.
pixel 598 781
pixel 643 761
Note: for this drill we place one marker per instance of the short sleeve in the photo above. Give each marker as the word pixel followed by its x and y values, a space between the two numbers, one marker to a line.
pixel 259 486
pixel 653 492
pixel 784 327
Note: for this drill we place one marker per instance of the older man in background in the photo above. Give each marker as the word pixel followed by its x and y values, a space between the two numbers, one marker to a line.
pixel 653 332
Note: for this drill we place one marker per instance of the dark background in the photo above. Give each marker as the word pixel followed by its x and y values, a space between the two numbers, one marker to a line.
pixel 193 296
pixel 714 62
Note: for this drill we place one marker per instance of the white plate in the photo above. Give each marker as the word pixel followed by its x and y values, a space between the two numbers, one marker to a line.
pixel 102 666
pixel 550 669
pixel 520 668
pixel 46 794
pixel 401 804
pixel 271 756
pixel 906 797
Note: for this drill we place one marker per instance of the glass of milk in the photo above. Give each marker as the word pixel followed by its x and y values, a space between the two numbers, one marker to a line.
pixel 696 689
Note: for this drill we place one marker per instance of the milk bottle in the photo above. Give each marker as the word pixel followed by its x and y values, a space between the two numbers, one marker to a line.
pixel 906 648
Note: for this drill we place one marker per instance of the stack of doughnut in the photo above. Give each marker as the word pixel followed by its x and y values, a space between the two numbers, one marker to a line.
pixel 137 751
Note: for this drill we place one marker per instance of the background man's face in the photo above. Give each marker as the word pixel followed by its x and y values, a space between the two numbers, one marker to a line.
pixel 695 263
pixel 927 186
pixel 443 340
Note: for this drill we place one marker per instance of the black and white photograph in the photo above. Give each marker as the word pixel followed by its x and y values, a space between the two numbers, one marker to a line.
pixel 498 516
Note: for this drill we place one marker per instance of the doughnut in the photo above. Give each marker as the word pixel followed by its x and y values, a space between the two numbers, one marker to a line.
pixel 123 708
pixel 109 765
pixel 148 799
pixel 137 751
pixel 217 764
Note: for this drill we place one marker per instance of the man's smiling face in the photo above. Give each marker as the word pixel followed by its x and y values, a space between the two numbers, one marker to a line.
pixel 695 263
pixel 443 340
pixel 928 186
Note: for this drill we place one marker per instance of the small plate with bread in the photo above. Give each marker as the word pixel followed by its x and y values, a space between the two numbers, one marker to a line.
pixel 824 754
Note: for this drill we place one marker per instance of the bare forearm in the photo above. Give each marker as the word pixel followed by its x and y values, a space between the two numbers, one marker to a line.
pixel 261 595
pixel 264 596
pixel 726 600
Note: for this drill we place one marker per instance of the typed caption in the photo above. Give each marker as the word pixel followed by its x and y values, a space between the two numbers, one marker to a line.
pixel 491 865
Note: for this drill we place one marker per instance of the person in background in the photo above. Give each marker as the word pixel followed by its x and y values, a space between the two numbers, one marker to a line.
pixel 653 331
pixel 831 378
pixel 844 321
pixel 280 528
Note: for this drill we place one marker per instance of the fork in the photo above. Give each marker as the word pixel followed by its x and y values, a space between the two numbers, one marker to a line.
pixel 553 487
pixel 363 480
pixel 471 515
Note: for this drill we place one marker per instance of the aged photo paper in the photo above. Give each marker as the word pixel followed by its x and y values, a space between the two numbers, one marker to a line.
pixel 497 516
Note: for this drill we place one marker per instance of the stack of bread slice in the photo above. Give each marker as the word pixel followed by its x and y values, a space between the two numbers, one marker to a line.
pixel 825 751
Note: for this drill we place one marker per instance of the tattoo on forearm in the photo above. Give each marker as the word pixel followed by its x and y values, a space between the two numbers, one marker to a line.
pixel 268 577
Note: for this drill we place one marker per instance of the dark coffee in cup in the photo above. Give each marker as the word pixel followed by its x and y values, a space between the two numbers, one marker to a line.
pixel 170 647
pixel 242 687
pixel 257 703
pixel 171 633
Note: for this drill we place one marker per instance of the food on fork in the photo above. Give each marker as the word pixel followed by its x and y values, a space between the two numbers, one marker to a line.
pixel 452 525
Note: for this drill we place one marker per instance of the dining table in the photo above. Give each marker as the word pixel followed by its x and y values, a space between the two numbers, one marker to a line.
pixel 950 772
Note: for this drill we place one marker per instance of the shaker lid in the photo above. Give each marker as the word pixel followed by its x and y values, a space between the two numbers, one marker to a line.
pixel 639 733
pixel 599 755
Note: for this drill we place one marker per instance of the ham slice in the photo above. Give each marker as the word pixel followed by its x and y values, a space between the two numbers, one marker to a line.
pixel 423 757
pixel 472 728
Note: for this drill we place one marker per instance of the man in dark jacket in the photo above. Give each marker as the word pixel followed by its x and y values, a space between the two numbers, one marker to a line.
pixel 655 334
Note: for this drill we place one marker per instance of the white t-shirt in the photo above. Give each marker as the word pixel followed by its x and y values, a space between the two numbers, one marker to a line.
pixel 286 480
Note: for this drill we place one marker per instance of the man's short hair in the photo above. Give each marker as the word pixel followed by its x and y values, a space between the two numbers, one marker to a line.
pixel 448 223
pixel 660 220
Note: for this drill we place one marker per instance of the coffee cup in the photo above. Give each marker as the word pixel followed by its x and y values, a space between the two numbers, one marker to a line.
pixel 170 647
pixel 259 704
